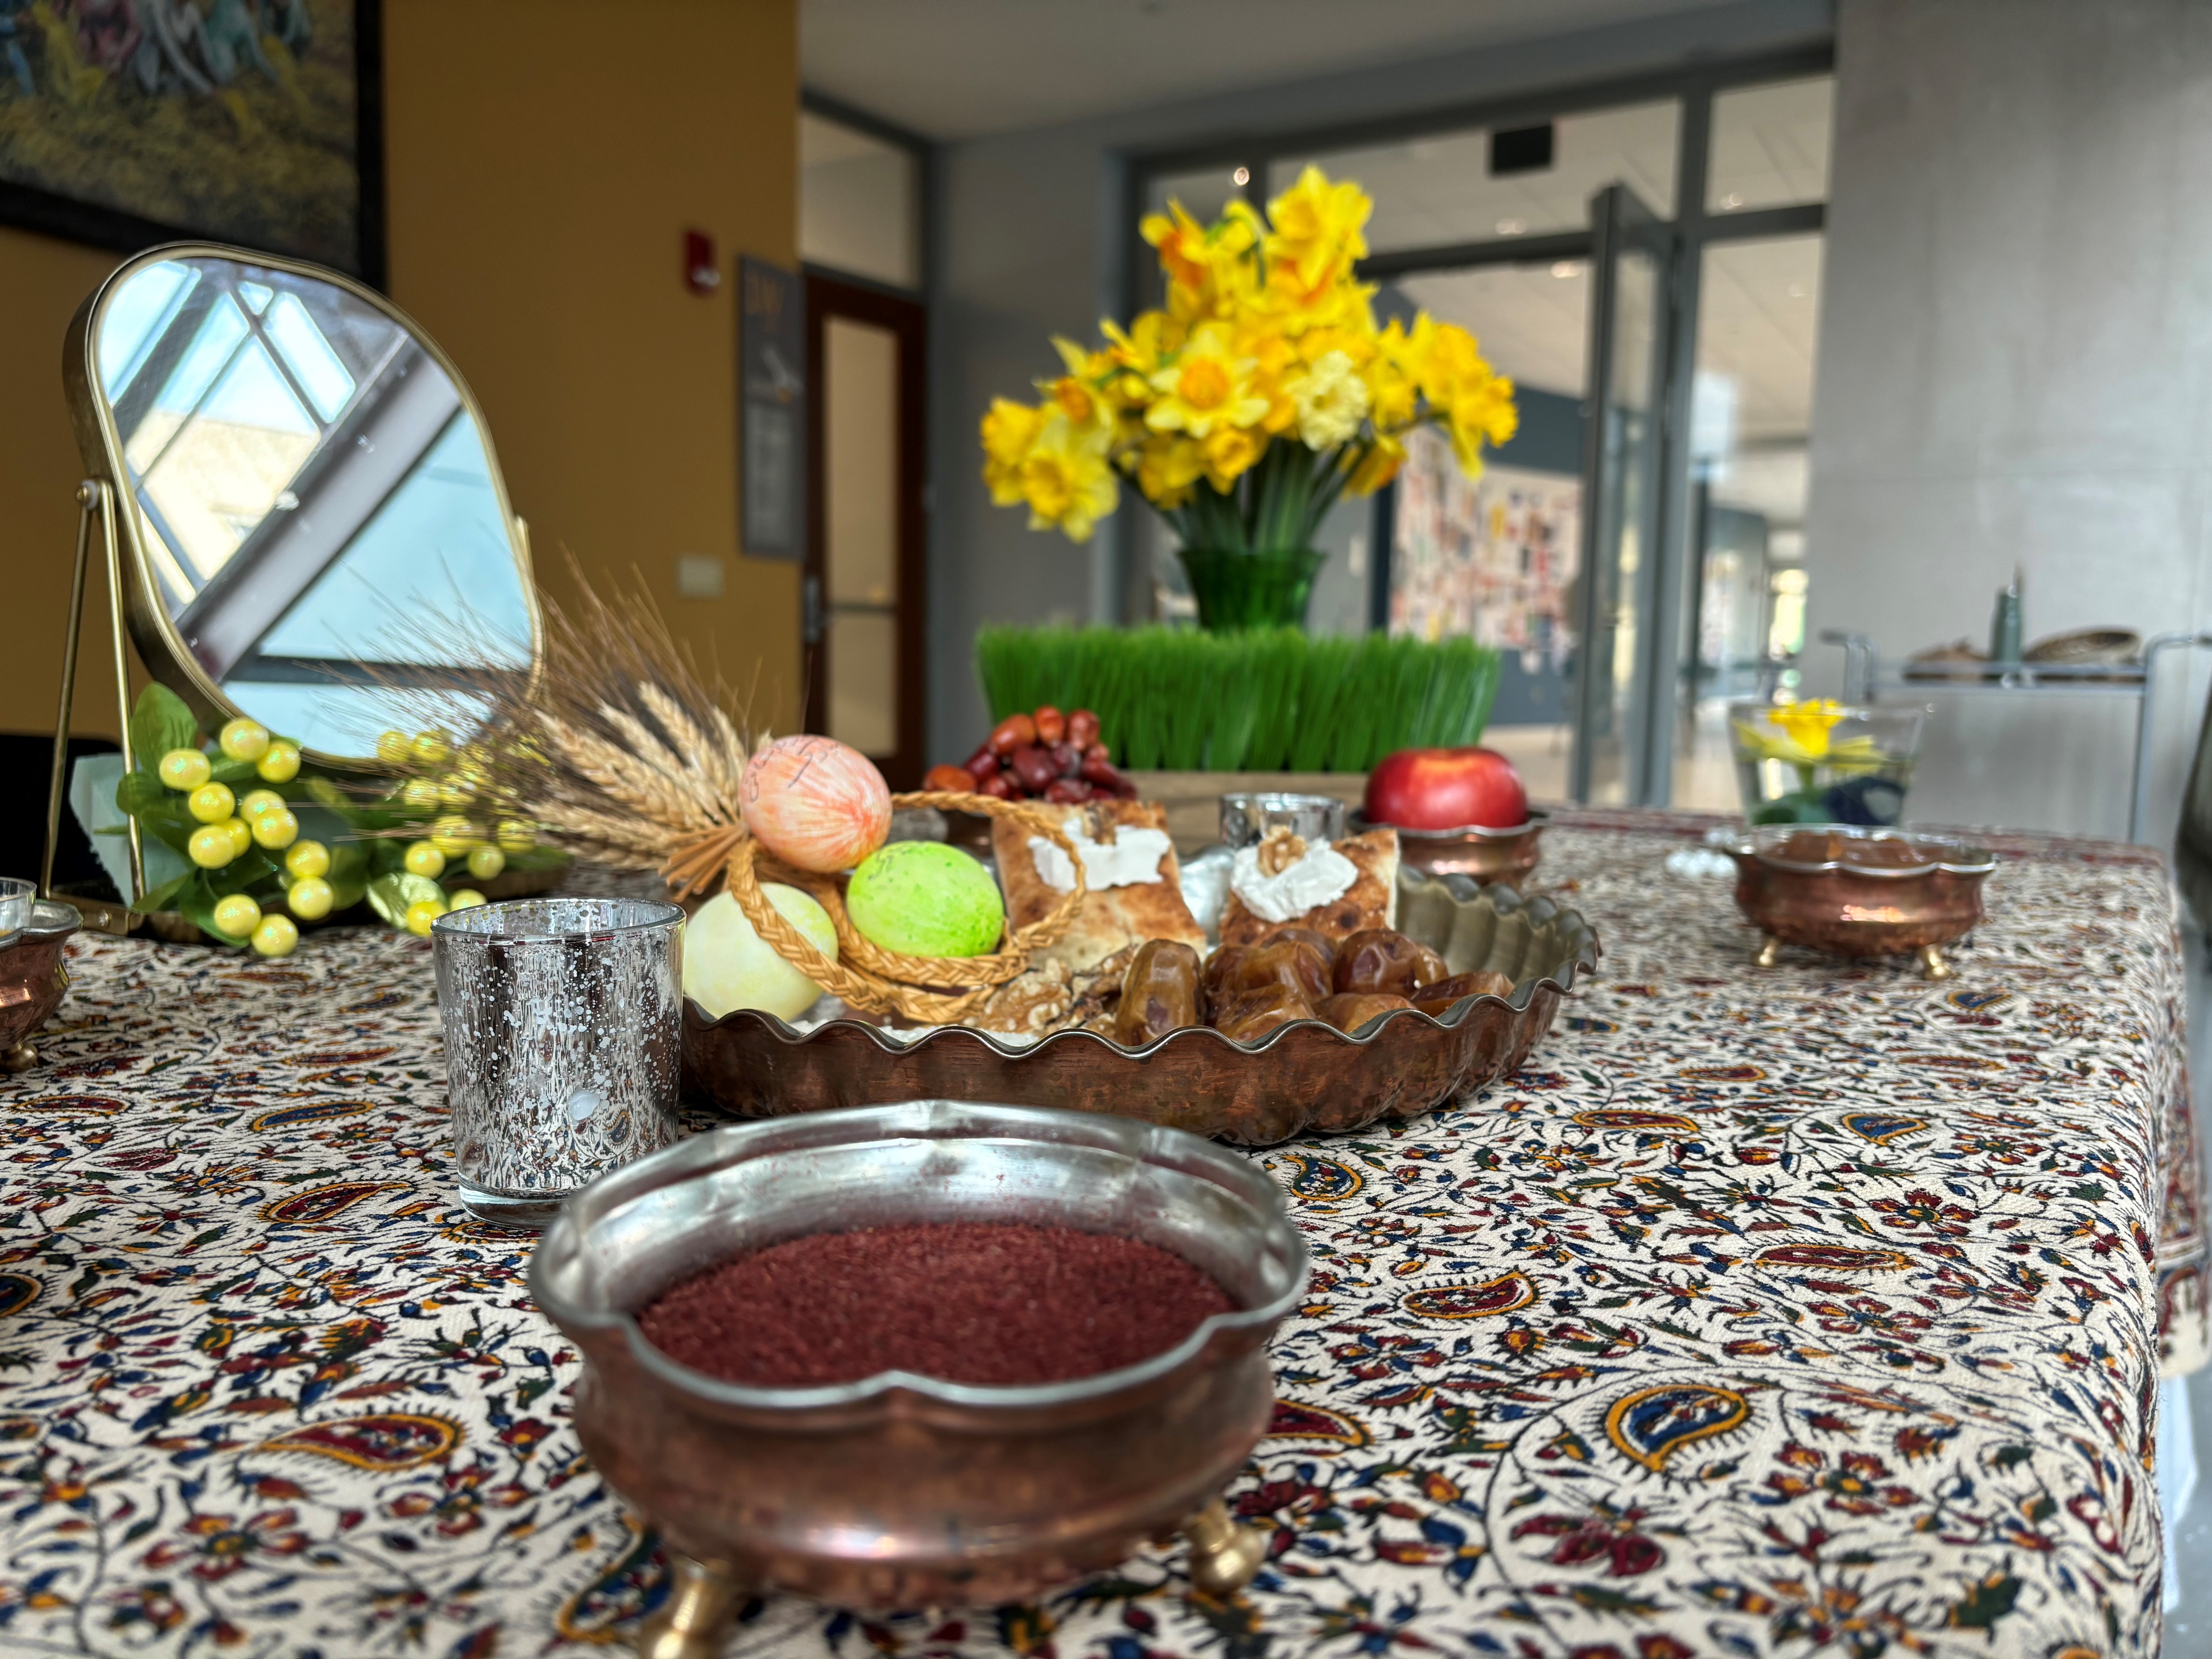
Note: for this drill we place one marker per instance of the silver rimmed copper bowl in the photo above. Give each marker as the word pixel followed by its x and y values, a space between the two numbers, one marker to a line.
pixel 905 1490
pixel 33 977
pixel 1854 891
pixel 1474 850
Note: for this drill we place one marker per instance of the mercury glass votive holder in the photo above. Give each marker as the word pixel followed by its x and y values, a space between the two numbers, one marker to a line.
pixel 562 1039
pixel 1246 818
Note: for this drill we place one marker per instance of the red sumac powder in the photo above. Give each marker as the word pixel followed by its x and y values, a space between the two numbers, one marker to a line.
pixel 992 1303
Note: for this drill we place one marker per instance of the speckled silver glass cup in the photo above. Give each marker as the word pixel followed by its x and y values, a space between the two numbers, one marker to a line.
pixel 562 1039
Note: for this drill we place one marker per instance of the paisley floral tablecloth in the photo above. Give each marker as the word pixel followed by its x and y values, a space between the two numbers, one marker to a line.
pixel 1807 1312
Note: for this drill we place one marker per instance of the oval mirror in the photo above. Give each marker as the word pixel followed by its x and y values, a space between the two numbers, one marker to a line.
pixel 314 526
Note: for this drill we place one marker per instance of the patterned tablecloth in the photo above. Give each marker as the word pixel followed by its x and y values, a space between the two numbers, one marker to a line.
pixel 1809 1312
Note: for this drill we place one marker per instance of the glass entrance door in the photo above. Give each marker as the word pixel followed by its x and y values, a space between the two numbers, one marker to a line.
pixel 1621 738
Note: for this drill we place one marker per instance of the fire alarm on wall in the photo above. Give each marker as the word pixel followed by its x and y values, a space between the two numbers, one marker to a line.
pixel 701 274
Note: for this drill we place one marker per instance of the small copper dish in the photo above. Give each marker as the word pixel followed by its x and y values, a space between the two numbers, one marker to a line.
pixel 1857 892
pixel 1486 854
pixel 903 1491
pixel 33 978
pixel 1300 1078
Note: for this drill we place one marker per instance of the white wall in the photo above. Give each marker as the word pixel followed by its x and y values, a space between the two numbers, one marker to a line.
pixel 1030 240
pixel 2015 367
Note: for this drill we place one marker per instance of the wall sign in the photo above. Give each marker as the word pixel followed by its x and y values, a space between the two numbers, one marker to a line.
pixel 772 379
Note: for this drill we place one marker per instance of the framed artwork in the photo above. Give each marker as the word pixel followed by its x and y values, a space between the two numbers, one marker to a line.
pixel 125 123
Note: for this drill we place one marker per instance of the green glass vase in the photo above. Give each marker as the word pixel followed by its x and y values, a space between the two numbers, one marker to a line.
pixel 1236 590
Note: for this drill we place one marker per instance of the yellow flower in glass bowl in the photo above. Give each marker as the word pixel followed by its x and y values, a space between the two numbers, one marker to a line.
pixel 1818 760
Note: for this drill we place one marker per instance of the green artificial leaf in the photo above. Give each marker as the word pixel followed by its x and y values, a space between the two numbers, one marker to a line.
pixel 196 901
pixel 349 874
pixel 141 791
pixel 170 832
pixel 233 772
pixel 329 795
pixel 251 869
pixel 159 723
pixel 162 897
pixel 387 855
pixel 391 895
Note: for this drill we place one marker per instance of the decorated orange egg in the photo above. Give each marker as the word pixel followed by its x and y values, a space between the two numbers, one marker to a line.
pixel 815 803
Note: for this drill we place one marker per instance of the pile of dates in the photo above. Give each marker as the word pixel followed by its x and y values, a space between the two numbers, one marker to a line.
pixel 1043 755
pixel 1246 991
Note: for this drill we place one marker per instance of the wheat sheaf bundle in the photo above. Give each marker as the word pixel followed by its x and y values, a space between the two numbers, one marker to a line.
pixel 626 755
pixel 622 753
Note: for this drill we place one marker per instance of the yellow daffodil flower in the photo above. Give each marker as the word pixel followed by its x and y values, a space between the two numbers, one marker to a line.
pixel 1265 336
pixel 1808 723
pixel 1008 431
pixel 1204 388
pixel 1167 468
pixel 1332 402
pixel 1231 451
pixel 1066 481
pixel 1317 232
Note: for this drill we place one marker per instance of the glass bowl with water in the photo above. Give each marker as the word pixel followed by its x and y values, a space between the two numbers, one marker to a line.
pixel 1822 762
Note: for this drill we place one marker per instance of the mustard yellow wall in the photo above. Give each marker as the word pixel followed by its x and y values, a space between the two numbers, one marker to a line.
pixel 543 159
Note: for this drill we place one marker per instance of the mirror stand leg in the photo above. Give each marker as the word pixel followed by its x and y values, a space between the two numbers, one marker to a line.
pixel 694 1619
pixel 58 784
pixel 1932 965
pixel 1770 952
pixel 20 1058
pixel 1225 1557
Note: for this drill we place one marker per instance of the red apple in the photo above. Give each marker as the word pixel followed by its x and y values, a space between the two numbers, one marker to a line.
pixel 1445 788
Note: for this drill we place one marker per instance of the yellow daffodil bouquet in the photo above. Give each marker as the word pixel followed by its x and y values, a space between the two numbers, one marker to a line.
pixel 1246 406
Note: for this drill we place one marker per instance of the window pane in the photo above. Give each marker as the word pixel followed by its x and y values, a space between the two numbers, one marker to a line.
pixel 863 647
pixel 1203 194
pixel 1758 308
pixel 860 483
pixel 1496 557
pixel 1438 190
pixel 858 204
pixel 1771 145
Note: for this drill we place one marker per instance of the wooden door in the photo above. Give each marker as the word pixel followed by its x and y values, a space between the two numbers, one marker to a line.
pixel 866 618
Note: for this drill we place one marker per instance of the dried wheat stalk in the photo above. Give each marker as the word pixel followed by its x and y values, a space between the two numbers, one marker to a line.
pixel 622 752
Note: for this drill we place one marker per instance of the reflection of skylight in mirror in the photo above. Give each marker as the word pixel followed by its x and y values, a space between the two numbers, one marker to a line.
pixel 309 353
pixel 253 394
pixel 433 561
pixel 218 336
pixel 134 320
pixel 256 295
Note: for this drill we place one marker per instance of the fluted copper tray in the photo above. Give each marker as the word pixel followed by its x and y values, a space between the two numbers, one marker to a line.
pixel 1302 1076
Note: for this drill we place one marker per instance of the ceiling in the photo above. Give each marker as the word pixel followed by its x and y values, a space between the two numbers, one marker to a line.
pixel 958 69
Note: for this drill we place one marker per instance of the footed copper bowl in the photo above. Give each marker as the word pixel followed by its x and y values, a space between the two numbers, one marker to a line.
pixel 903 1491
pixel 1474 850
pixel 1302 1076
pixel 1853 891
pixel 33 978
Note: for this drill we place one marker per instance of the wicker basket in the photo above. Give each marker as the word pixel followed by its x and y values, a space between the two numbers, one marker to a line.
pixel 928 990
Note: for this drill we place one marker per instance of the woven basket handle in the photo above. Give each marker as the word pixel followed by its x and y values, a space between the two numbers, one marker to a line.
pixel 929 990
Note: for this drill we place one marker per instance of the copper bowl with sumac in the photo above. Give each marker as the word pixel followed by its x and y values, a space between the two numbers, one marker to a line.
pixel 899 1489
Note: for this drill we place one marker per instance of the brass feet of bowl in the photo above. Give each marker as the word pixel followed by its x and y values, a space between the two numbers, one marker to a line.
pixel 694 1619
pixel 1225 1557
pixel 1932 965
pixel 694 1622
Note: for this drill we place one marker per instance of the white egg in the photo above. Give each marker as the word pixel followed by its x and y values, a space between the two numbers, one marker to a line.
pixel 727 965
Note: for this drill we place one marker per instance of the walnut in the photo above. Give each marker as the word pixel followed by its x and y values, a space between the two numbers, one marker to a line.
pixel 1279 848
pixel 1031 1003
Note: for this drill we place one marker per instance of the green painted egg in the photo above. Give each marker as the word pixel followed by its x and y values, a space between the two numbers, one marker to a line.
pixel 922 898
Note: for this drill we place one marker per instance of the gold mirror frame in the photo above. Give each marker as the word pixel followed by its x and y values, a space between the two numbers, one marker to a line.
pixel 134 595
pixel 153 631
